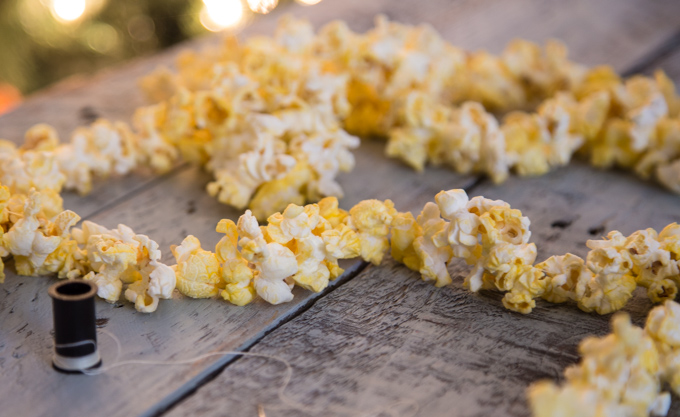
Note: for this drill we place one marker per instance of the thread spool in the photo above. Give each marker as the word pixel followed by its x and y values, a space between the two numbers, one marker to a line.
pixel 75 331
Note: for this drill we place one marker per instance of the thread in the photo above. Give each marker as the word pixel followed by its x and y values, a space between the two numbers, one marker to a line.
pixel 390 409
pixel 77 364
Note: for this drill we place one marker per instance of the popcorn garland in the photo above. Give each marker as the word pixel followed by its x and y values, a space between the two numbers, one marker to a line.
pixel 270 119
pixel 302 245
pixel 430 100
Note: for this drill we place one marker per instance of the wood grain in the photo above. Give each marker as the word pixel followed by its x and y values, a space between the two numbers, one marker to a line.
pixel 169 207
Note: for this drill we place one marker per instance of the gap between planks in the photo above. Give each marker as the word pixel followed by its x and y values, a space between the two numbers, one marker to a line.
pixel 665 49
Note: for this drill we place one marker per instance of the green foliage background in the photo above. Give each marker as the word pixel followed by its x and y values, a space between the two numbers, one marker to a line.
pixel 37 50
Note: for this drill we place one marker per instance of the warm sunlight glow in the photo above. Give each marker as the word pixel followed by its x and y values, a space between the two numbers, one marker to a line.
pixel 309 2
pixel 262 6
pixel 221 14
pixel 68 10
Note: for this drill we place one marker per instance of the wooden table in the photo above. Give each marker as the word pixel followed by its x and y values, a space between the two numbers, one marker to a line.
pixel 378 337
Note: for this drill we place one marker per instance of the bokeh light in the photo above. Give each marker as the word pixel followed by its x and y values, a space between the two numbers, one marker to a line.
pixel 9 97
pixel 262 6
pixel 101 37
pixel 68 10
pixel 308 2
pixel 221 14
pixel 141 28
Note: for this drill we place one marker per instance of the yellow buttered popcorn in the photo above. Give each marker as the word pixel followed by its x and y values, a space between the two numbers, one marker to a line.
pixel 237 275
pixel 24 169
pixel 405 230
pixel 109 258
pixel 503 224
pixel 371 220
pixel 329 210
pixel 653 266
pixel 663 150
pixel 197 270
pixel 276 195
pixel 34 237
pixel 487 234
pixel 567 278
pixel 618 375
pixel 663 326
pixel 341 242
pixel 317 245
pixel 294 228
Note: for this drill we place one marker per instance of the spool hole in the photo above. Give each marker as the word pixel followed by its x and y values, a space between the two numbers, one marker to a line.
pixel 74 288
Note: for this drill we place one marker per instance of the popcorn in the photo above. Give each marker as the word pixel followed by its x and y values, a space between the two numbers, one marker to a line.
pixel 543 73
pixel 328 154
pixel 607 292
pixel 120 257
pixel 667 88
pixel 663 326
pixel 276 195
pixel 567 276
pixel 155 151
pixel 433 259
pixel 371 220
pixel 328 209
pixel 100 149
pixel 137 293
pixel 22 170
pixel 609 255
pixel 405 230
pixel 157 280
pixel 618 375
pixel 653 267
pixel 664 148
pixel 294 227
pixel 461 232
pixel 341 242
pixel 669 175
pixel 503 224
pixel 197 270
pixel 468 139
pixel 34 237
pixel 273 261
pixel 236 274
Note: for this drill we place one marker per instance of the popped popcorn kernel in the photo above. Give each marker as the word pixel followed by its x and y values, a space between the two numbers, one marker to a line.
pixel 273 262
pixel 197 270
pixel 568 278
pixel 371 220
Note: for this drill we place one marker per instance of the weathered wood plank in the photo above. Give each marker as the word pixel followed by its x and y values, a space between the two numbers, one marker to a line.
pixel 165 211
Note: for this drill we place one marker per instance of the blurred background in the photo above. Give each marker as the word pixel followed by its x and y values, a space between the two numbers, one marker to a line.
pixel 43 41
